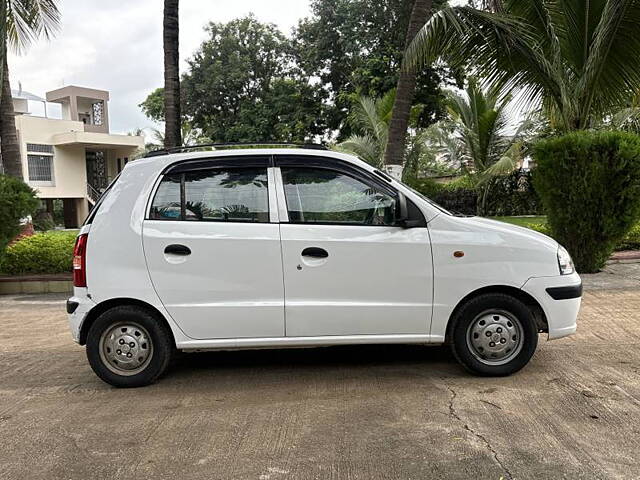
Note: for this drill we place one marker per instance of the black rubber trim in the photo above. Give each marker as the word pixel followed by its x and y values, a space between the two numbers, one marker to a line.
pixel 240 161
pixel 565 293
pixel 71 306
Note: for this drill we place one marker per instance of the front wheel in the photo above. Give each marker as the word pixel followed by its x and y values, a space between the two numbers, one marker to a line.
pixel 494 335
pixel 128 347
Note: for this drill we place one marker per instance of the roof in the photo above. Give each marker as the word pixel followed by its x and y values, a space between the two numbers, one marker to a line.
pixel 24 95
pixel 162 161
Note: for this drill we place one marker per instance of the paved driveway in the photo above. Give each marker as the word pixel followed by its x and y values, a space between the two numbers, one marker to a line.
pixel 358 413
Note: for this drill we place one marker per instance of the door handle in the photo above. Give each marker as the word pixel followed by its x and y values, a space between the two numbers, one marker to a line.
pixel 315 252
pixel 176 249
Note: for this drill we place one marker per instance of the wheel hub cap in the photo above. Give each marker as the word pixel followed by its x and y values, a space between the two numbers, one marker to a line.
pixel 126 348
pixel 495 337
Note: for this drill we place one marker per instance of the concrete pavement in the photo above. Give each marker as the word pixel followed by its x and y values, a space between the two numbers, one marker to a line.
pixel 381 412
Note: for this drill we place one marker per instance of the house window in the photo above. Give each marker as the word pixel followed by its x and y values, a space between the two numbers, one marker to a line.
pixel 40 163
pixel 40 168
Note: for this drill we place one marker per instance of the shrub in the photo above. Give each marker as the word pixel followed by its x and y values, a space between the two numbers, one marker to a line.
pixel 50 252
pixel 17 201
pixel 511 194
pixel 43 221
pixel 631 241
pixel 589 183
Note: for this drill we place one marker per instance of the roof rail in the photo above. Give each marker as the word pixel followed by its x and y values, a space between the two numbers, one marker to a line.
pixel 218 146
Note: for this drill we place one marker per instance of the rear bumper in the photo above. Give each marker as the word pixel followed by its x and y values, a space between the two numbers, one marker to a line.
pixel 560 297
pixel 77 308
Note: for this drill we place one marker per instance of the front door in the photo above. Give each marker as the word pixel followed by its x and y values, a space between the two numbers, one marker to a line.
pixel 348 268
pixel 213 251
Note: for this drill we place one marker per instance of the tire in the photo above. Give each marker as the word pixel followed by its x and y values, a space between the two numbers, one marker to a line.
pixel 127 346
pixel 494 334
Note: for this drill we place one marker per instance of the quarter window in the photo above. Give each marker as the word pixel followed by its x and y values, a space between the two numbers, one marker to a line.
pixel 218 195
pixel 316 195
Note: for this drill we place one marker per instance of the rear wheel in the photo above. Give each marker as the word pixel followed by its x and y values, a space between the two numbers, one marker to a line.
pixel 494 334
pixel 128 347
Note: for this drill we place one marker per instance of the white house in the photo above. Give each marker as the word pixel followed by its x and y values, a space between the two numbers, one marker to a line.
pixel 72 158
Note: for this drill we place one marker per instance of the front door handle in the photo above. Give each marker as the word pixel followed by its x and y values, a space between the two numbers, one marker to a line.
pixel 315 252
pixel 176 249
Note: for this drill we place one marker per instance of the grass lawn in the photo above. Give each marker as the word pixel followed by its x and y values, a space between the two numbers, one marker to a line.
pixel 523 221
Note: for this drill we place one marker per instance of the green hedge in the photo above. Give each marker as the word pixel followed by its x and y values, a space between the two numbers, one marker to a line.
pixel 511 194
pixel 17 201
pixel 589 183
pixel 49 252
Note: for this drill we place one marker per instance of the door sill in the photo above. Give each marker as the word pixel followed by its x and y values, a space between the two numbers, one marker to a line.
pixel 285 342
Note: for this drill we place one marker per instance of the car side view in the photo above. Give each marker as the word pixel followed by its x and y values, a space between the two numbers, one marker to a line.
pixel 296 247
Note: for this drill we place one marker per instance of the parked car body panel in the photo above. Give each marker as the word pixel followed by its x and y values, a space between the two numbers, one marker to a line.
pixel 359 301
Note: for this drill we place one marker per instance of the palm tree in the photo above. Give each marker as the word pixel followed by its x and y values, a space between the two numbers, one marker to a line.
pixel 578 59
pixel 21 21
pixel 405 91
pixel 172 116
pixel 477 136
pixel 371 117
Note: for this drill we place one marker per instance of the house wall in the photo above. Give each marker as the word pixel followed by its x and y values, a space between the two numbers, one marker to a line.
pixel 69 169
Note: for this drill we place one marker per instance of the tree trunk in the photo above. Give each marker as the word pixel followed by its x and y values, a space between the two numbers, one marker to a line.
pixel 172 117
pixel 10 148
pixel 405 91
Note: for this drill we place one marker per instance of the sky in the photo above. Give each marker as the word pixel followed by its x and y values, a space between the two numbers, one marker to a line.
pixel 116 45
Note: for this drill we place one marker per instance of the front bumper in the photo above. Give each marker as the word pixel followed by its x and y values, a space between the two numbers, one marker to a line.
pixel 77 308
pixel 560 297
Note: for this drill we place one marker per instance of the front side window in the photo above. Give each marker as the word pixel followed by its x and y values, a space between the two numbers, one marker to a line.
pixel 316 195
pixel 215 195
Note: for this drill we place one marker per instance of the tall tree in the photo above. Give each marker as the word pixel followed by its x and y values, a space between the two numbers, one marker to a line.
pixel 355 47
pixel 21 22
pixel 172 120
pixel 405 92
pixel 243 83
pixel 579 59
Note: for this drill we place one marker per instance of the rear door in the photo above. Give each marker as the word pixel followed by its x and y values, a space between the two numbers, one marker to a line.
pixel 212 246
pixel 349 269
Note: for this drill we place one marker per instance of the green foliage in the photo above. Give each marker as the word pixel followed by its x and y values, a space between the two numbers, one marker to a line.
pixel 589 183
pixel 17 201
pixel 355 47
pixel 631 240
pixel 43 221
pixel 579 60
pixel 153 105
pixel 49 252
pixel 243 85
pixel 511 194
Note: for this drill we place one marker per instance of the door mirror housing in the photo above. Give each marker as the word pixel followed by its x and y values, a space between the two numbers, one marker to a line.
pixel 404 218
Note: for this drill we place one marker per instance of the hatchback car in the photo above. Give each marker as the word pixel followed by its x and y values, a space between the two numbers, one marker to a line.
pixel 297 247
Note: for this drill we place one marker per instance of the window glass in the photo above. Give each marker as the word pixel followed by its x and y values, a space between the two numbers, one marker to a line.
pixel 316 195
pixel 166 204
pixel 231 195
pixel 39 167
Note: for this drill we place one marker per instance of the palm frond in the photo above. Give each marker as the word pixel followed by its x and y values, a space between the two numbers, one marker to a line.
pixel 28 20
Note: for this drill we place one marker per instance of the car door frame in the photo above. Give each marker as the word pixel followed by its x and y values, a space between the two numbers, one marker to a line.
pixel 213 163
pixel 374 178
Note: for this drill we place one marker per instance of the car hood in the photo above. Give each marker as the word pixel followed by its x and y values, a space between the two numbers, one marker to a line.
pixel 508 228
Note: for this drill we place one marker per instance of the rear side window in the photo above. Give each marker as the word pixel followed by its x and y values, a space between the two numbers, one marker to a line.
pixel 213 195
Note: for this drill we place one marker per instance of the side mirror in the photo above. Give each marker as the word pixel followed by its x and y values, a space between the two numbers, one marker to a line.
pixel 403 220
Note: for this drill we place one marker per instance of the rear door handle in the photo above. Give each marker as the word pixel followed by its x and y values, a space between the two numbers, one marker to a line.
pixel 176 249
pixel 315 252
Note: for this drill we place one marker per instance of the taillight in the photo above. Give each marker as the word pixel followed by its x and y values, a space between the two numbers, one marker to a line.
pixel 80 261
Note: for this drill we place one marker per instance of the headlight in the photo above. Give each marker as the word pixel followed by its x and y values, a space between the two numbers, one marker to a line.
pixel 564 262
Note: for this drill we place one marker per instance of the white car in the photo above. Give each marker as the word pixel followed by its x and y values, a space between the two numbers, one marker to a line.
pixel 297 247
